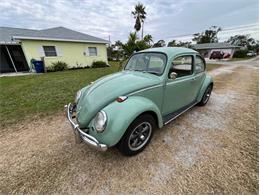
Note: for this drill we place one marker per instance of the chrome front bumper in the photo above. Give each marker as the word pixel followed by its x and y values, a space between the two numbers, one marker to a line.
pixel 81 135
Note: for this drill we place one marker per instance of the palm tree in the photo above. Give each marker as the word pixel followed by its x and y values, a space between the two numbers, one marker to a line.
pixel 130 45
pixel 148 39
pixel 132 38
pixel 139 15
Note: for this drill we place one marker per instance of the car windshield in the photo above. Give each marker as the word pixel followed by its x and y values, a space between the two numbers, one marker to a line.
pixel 152 62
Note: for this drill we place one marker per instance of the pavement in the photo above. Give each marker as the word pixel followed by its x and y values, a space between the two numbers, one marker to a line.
pixel 14 74
pixel 207 150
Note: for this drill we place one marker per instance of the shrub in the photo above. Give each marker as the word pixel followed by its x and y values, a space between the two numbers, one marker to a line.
pixel 110 59
pixel 79 67
pixel 49 69
pixel 99 64
pixel 240 54
pixel 59 66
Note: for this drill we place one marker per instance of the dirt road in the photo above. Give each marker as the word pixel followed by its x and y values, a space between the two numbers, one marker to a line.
pixel 211 149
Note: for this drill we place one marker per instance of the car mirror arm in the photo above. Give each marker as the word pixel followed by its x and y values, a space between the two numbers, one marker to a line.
pixel 173 75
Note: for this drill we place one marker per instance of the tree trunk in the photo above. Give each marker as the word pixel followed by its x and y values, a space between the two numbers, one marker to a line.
pixel 143 30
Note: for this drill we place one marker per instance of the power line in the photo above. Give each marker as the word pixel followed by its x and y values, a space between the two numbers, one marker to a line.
pixel 225 29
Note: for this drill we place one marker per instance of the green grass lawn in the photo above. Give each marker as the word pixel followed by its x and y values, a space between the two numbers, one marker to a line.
pixel 25 97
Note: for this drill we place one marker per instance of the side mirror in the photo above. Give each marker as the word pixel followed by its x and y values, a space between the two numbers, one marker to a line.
pixel 173 75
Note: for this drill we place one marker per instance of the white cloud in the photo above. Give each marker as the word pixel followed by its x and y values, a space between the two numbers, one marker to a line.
pixel 165 18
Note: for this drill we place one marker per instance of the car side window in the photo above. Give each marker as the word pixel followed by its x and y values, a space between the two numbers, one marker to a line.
pixel 182 66
pixel 199 64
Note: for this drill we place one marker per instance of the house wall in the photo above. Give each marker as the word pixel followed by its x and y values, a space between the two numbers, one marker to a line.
pixel 73 53
pixel 207 52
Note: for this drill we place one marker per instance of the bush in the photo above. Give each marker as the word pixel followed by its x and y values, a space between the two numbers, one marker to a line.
pixel 240 54
pixel 110 59
pixel 79 67
pixel 49 69
pixel 99 64
pixel 58 66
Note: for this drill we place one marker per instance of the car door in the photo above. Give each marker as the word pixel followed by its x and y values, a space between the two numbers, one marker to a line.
pixel 180 92
pixel 199 74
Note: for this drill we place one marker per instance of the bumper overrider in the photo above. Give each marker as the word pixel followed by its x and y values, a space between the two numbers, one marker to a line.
pixel 80 135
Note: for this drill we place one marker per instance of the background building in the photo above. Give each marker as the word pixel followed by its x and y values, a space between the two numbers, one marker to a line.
pixel 216 50
pixel 19 46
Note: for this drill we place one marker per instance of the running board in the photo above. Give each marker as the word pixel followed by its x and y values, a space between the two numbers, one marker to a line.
pixel 170 117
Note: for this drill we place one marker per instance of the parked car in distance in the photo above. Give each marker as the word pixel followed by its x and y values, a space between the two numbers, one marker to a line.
pixel 216 55
pixel 123 109
pixel 251 54
pixel 226 55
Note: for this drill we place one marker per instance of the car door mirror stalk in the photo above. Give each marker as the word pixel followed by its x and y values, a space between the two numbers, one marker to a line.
pixel 173 75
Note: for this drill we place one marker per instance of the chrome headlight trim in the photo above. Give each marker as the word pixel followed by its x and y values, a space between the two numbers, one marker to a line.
pixel 100 121
pixel 78 95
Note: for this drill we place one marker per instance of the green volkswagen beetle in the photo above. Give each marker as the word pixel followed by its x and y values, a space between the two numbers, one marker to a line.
pixel 123 109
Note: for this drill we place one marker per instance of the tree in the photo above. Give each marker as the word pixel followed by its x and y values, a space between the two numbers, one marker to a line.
pixel 134 44
pixel 130 45
pixel 118 43
pixel 244 41
pixel 184 44
pixel 160 43
pixel 118 53
pixel 208 36
pixel 172 43
pixel 148 39
pixel 139 15
pixel 141 45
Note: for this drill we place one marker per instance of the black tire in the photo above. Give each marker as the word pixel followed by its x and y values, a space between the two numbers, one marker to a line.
pixel 125 146
pixel 206 96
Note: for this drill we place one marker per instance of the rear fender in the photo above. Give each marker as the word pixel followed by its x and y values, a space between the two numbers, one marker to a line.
pixel 207 81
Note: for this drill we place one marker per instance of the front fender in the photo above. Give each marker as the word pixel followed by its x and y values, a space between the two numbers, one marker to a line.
pixel 121 115
pixel 207 81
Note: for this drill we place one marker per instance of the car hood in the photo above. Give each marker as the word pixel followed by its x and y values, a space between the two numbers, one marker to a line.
pixel 105 90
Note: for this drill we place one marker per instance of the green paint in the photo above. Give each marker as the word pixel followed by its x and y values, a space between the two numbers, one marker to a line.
pixel 146 93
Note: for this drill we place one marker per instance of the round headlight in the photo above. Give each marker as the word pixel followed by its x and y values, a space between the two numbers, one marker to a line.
pixel 77 96
pixel 100 121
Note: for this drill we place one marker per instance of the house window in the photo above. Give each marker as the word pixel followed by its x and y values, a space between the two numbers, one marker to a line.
pixel 49 50
pixel 92 51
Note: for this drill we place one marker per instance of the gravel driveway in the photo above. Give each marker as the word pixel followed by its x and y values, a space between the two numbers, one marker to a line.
pixel 211 149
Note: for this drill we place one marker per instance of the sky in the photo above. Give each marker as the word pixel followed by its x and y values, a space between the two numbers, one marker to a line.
pixel 166 19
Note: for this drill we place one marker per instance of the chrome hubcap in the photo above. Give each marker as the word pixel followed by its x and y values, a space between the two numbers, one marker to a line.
pixel 207 95
pixel 139 136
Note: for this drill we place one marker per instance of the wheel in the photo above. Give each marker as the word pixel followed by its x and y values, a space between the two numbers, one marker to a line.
pixel 137 136
pixel 206 96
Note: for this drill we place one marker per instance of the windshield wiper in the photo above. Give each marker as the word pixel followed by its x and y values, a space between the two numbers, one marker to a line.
pixel 144 71
pixel 152 72
pixel 134 70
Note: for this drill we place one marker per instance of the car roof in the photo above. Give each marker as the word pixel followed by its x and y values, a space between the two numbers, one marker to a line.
pixel 170 51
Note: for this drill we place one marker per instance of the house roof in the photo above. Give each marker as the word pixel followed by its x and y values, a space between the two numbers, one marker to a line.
pixel 221 45
pixel 13 35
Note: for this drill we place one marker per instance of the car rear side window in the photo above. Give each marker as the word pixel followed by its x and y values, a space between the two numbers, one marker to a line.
pixel 199 64
pixel 182 66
